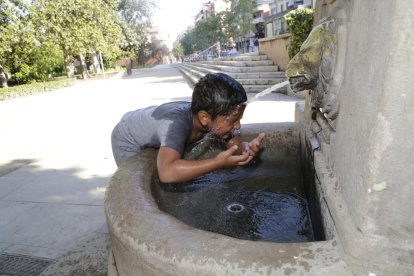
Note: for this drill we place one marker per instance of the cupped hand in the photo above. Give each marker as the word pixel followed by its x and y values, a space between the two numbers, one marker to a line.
pixel 228 160
pixel 255 145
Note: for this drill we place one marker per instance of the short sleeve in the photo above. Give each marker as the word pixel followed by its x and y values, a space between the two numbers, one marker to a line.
pixel 175 134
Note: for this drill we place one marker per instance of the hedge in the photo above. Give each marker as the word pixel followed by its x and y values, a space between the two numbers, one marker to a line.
pixel 299 24
pixel 34 88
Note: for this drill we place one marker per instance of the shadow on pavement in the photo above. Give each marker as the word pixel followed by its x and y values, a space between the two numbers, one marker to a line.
pixel 56 214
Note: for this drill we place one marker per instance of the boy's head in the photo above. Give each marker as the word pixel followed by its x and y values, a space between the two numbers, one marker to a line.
pixel 218 102
pixel 217 94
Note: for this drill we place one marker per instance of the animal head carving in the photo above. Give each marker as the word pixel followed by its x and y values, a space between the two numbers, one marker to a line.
pixel 313 67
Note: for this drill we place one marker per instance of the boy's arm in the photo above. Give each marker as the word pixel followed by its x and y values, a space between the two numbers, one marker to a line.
pixel 172 168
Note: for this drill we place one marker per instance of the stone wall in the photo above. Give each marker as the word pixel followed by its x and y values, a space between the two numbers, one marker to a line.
pixel 373 146
pixel 275 49
pixel 368 160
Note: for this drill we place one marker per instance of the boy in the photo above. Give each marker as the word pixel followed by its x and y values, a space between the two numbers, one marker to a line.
pixel 218 104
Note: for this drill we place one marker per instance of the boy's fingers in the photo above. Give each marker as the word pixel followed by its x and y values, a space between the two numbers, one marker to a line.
pixel 255 145
pixel 241 163
pixel 232 149
pixel 261 136
pixel 241 158
pixel 259 140
pixel 245 147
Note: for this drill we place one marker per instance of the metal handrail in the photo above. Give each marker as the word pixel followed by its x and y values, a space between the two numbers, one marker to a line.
pixel 214 51
pixel 203 55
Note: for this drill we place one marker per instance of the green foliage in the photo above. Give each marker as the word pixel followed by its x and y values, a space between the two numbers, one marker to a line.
pixel 177 50
pixel 38 37
pixel 299 24
pixel 205 33
pixel 34 88
pixel 229 26
pixel 12 13
pixel 220 28
pixel 243 16
pixel 42 62
pixel 47 59
pixel 15 35
pixel 135 18
pixel 78 26
pixel 21 53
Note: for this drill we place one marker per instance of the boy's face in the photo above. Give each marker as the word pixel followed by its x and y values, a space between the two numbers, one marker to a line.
pixel 223 126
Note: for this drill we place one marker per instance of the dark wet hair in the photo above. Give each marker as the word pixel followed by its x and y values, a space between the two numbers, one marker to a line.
pixel 218 94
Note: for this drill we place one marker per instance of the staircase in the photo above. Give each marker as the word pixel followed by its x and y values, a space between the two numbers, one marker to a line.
pixel 254 71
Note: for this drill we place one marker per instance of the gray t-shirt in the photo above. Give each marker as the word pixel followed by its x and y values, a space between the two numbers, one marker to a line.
pixel 166 125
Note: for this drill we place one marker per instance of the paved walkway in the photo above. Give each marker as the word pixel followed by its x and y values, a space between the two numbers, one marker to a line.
pixel 55 162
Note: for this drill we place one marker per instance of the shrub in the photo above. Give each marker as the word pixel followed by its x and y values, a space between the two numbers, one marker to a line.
pixel 33 88
pixel 299 24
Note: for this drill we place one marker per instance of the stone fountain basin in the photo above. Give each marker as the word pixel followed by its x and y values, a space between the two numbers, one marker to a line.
pixel 264 200
pixel 149 241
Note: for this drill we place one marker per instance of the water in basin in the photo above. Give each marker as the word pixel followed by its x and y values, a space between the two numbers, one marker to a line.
pixel 266 200
pixel 253 203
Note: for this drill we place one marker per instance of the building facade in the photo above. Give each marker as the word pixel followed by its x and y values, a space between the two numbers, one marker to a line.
pixel 275 22
pixel 212 8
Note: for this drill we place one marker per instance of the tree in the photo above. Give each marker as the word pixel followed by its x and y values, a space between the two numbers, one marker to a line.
pixel 12 13
pixel 188 43
pixel 228 24
pixel 16 35
pixel 21 53
pixel 243 17
pixel 221 28
pixel 135 18
pixel 204 34
pixel 177 50
pixel 78 27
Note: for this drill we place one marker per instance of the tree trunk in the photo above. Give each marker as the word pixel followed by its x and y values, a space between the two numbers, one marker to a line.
pixel 83 67
pixel 101 62
pixel 69 72
pixel 129 66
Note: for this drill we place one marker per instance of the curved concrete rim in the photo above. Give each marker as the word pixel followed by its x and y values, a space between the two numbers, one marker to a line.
pixel 146 241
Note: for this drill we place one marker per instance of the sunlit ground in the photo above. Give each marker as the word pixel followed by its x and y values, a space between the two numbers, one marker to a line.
pixel 56 157
pixel 269 112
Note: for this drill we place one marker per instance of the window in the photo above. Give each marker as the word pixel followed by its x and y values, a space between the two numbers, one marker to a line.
pixel 269 30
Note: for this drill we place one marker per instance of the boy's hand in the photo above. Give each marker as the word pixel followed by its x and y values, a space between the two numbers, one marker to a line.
pixel 254 146
pixel 228 160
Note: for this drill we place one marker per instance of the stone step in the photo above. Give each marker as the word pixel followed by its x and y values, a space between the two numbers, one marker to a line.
pixel 198 68
pixel 277 75
pixel 244 58
pixel 255 72
pixel 257 75
pixel 232 69
pixel 250 85
pixel 240 63
pixel 267 82
pixel 191 70
pixel 189 75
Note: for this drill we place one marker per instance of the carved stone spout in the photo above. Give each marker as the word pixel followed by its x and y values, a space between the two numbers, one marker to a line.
pixel 313 67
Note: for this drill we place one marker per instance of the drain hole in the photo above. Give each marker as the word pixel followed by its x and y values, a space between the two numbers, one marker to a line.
pixel 235 208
